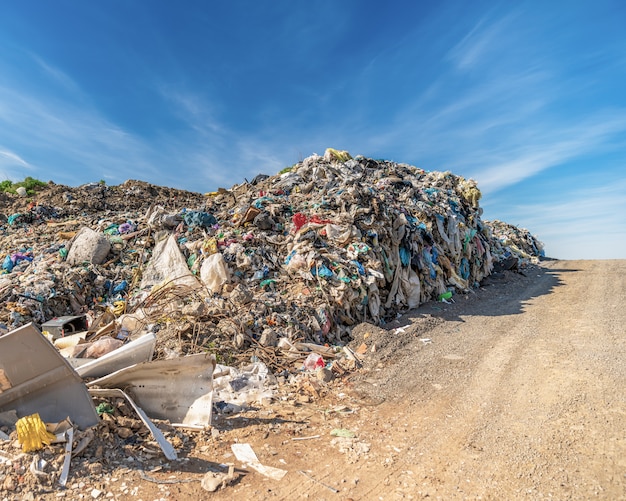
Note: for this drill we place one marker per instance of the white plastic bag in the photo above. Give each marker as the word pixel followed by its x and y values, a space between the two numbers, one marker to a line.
pixel 167 264
pixel 214 272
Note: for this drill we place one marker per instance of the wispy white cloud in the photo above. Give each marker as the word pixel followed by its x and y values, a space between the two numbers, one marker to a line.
pixel 11 159
pixel 216 155
pixel 55 74
pixel 59 133
pixel 587 223
pixel 504 127
pixel 482 40
pixel 11 165
pixel 193 109
pixel 549 147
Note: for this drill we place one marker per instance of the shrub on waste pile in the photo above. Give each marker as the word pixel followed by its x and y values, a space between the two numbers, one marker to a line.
pixel 30 184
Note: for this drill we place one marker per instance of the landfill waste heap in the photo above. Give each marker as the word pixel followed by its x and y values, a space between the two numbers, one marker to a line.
pixel 302 256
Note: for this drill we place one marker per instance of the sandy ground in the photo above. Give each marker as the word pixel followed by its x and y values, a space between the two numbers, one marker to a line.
pixel 517 391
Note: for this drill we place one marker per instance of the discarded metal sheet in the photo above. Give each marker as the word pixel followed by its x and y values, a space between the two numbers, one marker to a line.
pixel 5 384
pixel 67 459
pixel 41 381
pixel 180 389
pixel 63 326
pixel 8 418
pixel 166 447
pixel 135 352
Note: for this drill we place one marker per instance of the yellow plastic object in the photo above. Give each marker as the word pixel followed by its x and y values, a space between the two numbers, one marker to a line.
pixel 209 246
pixel 470 192
pixel 32 433
pixel 337 155
pixel 119 307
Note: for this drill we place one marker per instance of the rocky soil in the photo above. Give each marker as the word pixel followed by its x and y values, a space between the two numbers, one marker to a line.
pixel 515 391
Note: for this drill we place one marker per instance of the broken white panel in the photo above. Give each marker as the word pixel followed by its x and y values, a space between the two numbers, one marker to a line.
pixel 135 352
pixel 41 381
pixel 245 454
pixel 179 389
pixel 164 444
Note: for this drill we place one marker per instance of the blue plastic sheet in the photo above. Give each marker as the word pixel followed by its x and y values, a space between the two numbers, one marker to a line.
pixel 197 218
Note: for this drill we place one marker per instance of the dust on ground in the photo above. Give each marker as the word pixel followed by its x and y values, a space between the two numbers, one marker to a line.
pixel 515 391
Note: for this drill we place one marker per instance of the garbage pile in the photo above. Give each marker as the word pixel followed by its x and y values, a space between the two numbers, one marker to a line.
pixel 302 256
pixel 130 314
pixel 513 245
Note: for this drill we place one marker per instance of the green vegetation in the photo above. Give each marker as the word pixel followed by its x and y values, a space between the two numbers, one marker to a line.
pixel 30 184
pixel 286 169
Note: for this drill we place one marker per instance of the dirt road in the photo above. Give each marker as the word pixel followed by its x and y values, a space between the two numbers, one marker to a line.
pixel 516 392
pixel 523 396
pixel 520 394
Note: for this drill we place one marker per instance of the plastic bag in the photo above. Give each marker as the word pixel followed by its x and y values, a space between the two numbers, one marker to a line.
pixel 214 272
pixel 102 346
pixel 313 362
pixel 167 264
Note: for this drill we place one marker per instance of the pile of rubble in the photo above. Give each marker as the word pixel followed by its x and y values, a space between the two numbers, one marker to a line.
pixel 304 255
pixel 511 244
pixel 162 304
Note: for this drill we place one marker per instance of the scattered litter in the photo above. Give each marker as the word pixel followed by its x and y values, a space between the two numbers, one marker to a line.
pixel 5 457
pixel 245 454
pixel 343 432
pixel 137 351
pixel 32 433
pixel 313 361
pixel 238 388
pixel 69 436
pixel 306 438
pixel 166 447
pixel 213 480
pixel 38 466
pixel 64 326
pixel 147 477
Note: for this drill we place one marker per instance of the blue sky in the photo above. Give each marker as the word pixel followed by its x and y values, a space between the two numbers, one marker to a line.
pixel 525 97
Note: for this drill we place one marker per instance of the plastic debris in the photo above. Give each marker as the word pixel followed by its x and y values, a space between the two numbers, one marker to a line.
pixel 304 255
pixel 213 480
pixel 342 432
pixel 245 454
pixel 32 433
pixel 236 388
pixel 313 362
